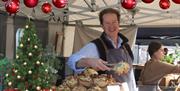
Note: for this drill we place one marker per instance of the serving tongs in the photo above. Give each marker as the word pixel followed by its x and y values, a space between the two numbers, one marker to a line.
pixel 110 64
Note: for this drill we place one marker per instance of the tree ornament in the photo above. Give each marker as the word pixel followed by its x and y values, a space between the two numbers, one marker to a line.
pixel 9 83
pixel 21 45
pixel 59 3
pixel 12 7
pixel 16 1
pixel 38 88
pixel 176 1
pixel 147 1
pixel 15 71
pixel 35 46
pixel 46 70
pixel 29 39
pixel 46 7
pixel 30 72
pixel 4 0
pixel 17 56
pixel 164 4
pixel 26 26
pixel 37 62
pixel 24 63
pixel 18 76
pixel 42 63
pixel 7 75
pixel 26 90
pixel 47 89
pixel 128 4
pixel 30 54
pixel 34 34
pixel 31 3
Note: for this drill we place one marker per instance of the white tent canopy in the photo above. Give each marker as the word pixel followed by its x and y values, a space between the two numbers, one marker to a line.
pixel 87 10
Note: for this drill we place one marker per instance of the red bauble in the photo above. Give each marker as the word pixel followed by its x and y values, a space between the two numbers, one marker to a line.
pixel 10 89
pixel 164 4
pixel 12 7
pixel 49 89
pixel 147 1
pixel 4 0
pixel 128 4
pixel 59 3
pixel 176 1
pixel 46 7
pixel 31 3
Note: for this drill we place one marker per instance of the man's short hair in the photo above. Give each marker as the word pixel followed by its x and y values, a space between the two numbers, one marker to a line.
pixel 108 11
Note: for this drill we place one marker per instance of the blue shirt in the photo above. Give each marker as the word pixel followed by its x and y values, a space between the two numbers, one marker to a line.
pixel 88 51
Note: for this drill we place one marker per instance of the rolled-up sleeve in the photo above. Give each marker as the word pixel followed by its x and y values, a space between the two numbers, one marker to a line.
pixel 88 51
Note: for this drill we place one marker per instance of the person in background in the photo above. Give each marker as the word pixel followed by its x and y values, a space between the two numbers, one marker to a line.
pixel 111 47
pixel 155 69
pixel 165 51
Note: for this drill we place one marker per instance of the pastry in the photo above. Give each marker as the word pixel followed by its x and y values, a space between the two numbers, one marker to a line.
pixel 71 81
pixel 95 88
pixel 90 72
pixel 121 68
pixel 63 88
pixel 85 80
pixel 101 80
pixel 79 88
pixel 110 80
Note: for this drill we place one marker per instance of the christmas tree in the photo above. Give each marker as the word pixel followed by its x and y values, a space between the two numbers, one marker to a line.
pixel 29 71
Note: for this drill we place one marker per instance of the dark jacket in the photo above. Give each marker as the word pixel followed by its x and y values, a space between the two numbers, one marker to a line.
pixel 101 49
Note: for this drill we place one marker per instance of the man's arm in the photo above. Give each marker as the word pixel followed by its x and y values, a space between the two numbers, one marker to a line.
pixel 95 63
pixel 88 51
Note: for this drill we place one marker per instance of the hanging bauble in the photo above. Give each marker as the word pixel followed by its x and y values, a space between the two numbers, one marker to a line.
pixel 164 4
pixel 24 63
pixel 46 89
pixel 17 56
pixel 147 1
pixel 35 46
pixel 4 0
pixel 31 3
pixel 12 7
pixel 9 83
pixel 30 72
pixel 21 45
pixel 46 7
pixel 38 88
pixel 18 76
pixel 16 1
pixel 176 1
pixel 59 3
pixel 128 4
pixel 10 89
pixel 7 75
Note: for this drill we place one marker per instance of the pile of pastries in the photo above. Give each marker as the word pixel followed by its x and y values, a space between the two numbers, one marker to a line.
pixel 89 80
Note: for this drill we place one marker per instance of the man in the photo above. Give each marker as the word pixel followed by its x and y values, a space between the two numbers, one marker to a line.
pixel 111 48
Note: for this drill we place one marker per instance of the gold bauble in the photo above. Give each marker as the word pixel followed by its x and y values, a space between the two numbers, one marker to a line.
pixel 21 45
pixel 38 88
pixel 35 46
pixel 9 83
pixel 37 62
pixel 30 54
pixel 30 72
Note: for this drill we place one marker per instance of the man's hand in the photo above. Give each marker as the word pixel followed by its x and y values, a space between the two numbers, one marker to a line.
pixel 95 63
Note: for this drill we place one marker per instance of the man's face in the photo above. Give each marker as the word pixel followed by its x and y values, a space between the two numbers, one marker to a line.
pixel 110 24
